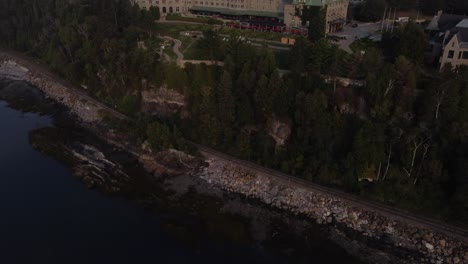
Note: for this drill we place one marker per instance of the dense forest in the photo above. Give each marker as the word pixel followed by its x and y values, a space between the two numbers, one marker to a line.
pixel 401 139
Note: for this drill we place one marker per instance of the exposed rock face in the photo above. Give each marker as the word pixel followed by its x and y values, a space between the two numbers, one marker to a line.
pixel 280 131
pixel 96 170
pixel 169 163
pixel 87 162
pixel 163 102
pixel 11 70
pixel 86 110
pixel 410 243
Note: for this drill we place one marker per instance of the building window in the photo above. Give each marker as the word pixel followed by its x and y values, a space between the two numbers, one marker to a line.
pixel 465 55
pixel 451 53
pixel 177 9
pixel 459 54
pixel 157 2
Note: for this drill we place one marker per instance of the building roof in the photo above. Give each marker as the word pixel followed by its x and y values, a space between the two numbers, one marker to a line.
pixel 462 35
pixel 443 22
pixel 236 12
pixel 461 32
pixel 448 21
pixel 317 2
pixel 463 23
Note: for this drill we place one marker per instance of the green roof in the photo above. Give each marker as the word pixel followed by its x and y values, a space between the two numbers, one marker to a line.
pixel 235 12
pixel 316 2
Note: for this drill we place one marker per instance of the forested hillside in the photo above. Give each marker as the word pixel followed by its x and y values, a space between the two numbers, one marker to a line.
pixel 401 139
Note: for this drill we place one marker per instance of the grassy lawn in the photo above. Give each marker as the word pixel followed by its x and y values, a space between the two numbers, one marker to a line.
pixel 186 42
pixel 194 52
pixel 153 43
pixel 170 52
pixel 173 30
pixel 274 36
pixel 362 44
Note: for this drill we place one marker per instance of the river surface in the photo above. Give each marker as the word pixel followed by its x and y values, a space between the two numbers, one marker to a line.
pixel 48 216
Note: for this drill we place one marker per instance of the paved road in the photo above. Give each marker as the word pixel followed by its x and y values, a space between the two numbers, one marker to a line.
pixel 176 47
pixel 271 47
pixel 207 62
pixel 361 31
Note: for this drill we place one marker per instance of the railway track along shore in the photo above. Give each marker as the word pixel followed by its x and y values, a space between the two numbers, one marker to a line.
pixel 385 210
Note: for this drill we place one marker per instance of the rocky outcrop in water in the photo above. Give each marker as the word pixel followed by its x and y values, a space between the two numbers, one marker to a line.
pixel 87 162
pixel 77 103
pixel 409 243
pixel 169 163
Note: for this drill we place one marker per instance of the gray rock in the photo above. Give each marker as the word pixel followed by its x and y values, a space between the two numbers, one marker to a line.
pixel 429 246
pixel 442 243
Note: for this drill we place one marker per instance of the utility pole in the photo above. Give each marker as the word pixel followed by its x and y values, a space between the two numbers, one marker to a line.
pixel 383 18
pixel 393 21
pixel 389 15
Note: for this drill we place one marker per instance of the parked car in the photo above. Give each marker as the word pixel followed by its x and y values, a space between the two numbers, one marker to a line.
pixel 354 25
pixel 333 38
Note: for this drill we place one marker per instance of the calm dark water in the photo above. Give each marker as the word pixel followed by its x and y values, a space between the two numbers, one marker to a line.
pixel 48 216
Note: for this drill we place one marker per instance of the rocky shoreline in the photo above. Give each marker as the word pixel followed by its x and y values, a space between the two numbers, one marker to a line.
pixel 373 237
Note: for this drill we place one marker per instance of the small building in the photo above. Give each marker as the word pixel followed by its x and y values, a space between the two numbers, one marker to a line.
pixel 166 6
pixel 335 18
pixel 456 50
pixel 448 40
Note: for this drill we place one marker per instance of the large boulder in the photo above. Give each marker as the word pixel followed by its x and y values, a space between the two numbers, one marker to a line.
pixel 280 131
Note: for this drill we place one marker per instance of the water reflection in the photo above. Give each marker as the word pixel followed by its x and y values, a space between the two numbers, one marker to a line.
pixel 48 216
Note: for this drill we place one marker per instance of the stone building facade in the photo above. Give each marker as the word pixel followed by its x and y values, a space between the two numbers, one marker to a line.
pixel 448 40
pixel 282 11
pixel 337 11
pixel 335 18
pixel 167 6
pixel 215 6
pixel 456 50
